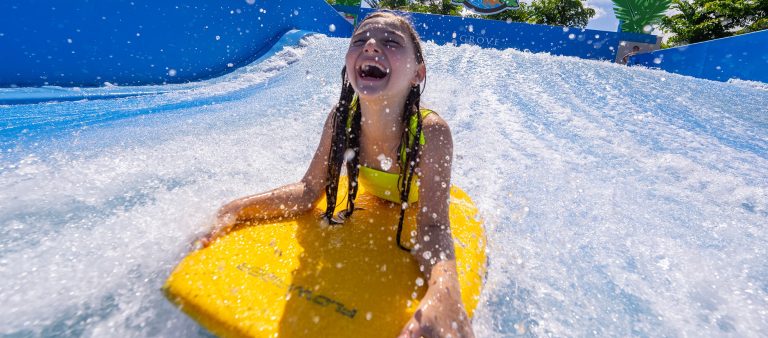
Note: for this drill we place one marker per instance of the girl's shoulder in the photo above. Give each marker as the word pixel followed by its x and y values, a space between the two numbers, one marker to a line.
pixel 431 119
pixel 434 127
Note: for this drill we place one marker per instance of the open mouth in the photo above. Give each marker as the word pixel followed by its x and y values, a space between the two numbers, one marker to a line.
pixel 372 71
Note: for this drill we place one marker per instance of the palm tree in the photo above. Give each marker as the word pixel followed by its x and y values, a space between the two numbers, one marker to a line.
pixel 636 15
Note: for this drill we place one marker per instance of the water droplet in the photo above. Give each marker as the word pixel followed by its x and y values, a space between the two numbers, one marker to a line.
pixel 349 155
pixel 647 28
pixel 332 28
pixel 384 161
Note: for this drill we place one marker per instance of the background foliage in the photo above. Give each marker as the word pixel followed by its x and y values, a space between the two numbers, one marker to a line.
pixel 571 13
pixel 686 21
pixel 702 20
pixel 637 16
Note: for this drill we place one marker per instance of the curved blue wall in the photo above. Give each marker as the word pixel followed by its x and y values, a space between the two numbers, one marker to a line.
pixel 137 42
pixel 742 57
pixel 556 40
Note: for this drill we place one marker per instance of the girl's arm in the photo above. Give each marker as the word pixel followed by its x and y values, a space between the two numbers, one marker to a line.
pixel 441 311
pixel 287 201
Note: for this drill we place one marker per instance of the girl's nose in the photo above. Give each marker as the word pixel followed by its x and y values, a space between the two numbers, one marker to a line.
pixel 370 46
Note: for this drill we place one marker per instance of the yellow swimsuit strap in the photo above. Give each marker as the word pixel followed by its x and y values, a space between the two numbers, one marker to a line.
pixel 384 184
pixel 412 132
pixel 411 126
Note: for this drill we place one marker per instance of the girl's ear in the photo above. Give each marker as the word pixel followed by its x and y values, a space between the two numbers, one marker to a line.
pixel 420 75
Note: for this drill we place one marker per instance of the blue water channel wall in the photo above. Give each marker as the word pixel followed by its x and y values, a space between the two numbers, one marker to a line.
pixel 138 42
pixel 556 40
pixel 742 57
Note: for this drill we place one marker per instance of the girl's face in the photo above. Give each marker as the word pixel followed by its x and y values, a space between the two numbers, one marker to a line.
pixel 381 60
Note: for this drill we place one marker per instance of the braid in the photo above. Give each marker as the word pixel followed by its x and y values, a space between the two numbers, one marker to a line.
pixel 345 139
pixel 338 145
pixel 353 168
pixel 408 160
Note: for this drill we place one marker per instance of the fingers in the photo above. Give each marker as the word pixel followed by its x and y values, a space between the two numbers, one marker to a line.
pixel 200 243
pixel 223 225
pixel 196 245
pixel 411 330
pixel 414 330
pixel 205 240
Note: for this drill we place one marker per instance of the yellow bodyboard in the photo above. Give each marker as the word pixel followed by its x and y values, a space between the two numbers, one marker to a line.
pixel 300 278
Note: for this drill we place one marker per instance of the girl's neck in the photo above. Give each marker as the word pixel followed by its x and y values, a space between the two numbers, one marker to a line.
pixel 382 120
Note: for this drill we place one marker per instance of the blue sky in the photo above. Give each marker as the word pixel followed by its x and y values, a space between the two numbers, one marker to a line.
pixel 604 18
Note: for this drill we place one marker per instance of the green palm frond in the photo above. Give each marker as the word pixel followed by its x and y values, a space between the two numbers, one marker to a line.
pixel 348 2
pixel 637 14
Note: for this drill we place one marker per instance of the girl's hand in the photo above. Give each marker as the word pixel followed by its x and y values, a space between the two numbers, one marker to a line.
pixel 441 314
pixel 224 223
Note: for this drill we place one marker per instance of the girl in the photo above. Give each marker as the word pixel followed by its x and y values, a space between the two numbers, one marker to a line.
pixel 378 129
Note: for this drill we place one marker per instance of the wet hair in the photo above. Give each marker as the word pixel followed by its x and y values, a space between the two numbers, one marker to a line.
pixel 345 139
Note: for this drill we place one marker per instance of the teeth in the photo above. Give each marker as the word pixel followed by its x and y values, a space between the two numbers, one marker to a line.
pixel 371 63
pixel 368 67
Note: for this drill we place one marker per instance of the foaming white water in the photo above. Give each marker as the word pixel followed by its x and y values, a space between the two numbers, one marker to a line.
pixel 618 201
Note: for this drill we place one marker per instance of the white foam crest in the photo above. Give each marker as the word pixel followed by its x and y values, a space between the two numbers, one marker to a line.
pixel 618 201
pixel 575 165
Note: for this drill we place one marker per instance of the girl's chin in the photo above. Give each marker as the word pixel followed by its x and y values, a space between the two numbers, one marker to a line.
pixel 363 92
pixel 371 88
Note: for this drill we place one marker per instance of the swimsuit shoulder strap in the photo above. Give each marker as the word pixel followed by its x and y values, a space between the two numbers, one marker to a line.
pixel 414 121
pixel 412 131
pixel 411 127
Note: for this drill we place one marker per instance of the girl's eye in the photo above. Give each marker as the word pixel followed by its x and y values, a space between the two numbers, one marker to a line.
pixel 358 42
pixel 392 43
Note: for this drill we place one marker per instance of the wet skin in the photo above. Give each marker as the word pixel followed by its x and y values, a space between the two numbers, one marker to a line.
pixel 382 67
